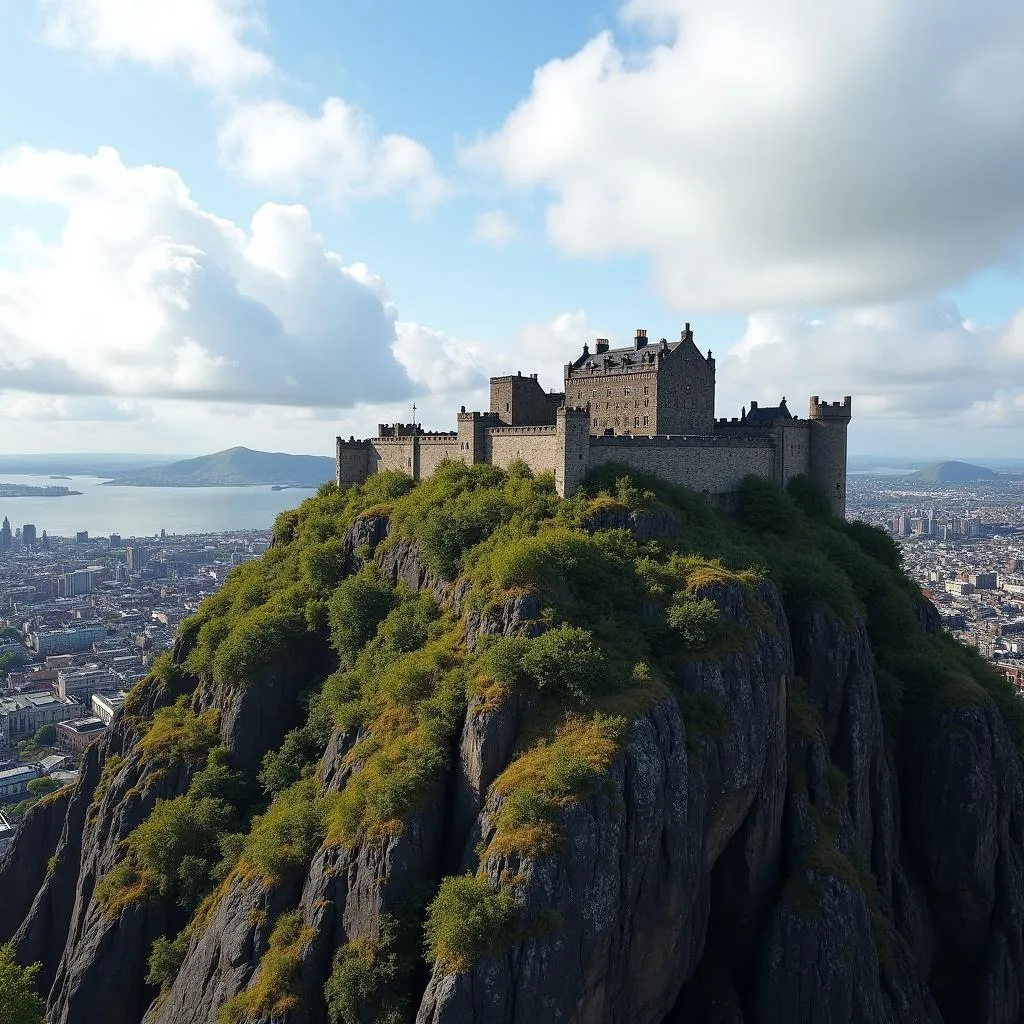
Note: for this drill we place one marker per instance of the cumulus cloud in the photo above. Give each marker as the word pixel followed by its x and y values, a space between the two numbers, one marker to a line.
pixel 909 362
pixel 783 154
pixel 206 38
pixel 338 152
pixel 147 294
pixel 493 227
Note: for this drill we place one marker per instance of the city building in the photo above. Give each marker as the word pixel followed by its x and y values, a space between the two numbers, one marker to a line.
pixel 14 782
pixel 136 558
pixel 28 537
pixel 75 584
pixel 82 683
pixel 74 736
pixel 647 406
pixel 82 537
pixel 21 714
pixel 7 833
pixel 106 705
pixel 6 541
pixel 65 641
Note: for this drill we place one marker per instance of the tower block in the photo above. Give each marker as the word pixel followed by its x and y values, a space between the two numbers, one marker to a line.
pixel 827 448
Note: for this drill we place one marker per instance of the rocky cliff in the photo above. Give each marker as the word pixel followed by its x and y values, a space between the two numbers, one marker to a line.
pixel 597 773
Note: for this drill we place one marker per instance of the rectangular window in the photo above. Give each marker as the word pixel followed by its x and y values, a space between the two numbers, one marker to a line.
pixel 645 421
pixel 626 390
pixel 647 389
pixel 645 402
pixel 609 393
pixel 636 421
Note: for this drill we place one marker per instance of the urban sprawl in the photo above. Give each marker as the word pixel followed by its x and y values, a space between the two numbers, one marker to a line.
pixel 81 619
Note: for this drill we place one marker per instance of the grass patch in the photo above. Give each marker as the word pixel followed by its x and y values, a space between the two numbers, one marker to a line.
pixel 548 776
pixel 275 991
pixel 467 920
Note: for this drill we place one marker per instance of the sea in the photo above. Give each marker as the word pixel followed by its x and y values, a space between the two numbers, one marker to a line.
pixel 144 511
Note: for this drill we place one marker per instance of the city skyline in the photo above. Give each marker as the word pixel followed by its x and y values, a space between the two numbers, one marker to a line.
pixel 251 224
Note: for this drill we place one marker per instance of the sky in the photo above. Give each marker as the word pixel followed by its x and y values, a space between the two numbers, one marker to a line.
pixel 264 223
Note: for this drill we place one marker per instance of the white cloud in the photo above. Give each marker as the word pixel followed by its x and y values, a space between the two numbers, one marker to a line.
pixel 912 363
pixel 493 227
pixel 147 294
pixel 766 155
pixel 204 37
pixel 338 152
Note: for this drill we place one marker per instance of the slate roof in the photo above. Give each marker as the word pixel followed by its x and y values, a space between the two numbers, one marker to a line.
pixel 765 415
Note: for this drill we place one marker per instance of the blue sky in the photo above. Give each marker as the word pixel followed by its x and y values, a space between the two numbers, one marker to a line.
pixel 493 185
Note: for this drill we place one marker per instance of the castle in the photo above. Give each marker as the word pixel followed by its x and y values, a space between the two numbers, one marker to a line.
pixel 648 406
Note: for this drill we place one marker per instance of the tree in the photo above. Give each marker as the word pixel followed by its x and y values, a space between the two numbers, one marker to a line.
pixel 40 787
pixel 46 736
pixel 19 1004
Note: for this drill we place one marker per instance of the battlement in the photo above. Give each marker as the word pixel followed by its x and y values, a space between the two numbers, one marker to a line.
pixel 841 412
pixel 398 429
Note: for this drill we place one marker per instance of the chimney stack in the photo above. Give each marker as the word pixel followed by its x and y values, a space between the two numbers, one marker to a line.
pixel 600 345
pixel 640 340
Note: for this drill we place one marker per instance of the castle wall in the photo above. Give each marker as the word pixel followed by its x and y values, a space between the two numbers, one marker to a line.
pixel 537 446
pixel 434 450
pixel 828 424
pixel 353 462
pixel 392 453
pixel 709 464
pixel 793 450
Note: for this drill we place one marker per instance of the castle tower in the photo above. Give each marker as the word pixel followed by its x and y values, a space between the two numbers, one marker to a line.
pixel 827 443
pixel 572 429
pixel 353 462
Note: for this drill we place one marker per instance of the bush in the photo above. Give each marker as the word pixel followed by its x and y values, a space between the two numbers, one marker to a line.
pixel 42 786
pixel 258 640
pixel 285 837
pixel 19 1003
pixel 697 622
pixel 357 607
pixel 367 978
pixel 165 960
pixel 566 660
pixel 45 736
pixel 466 920
pixel 765 508
pixel 810 496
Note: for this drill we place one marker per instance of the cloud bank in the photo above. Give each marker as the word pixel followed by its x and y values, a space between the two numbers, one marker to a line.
pixel 784 154
pixel 147 294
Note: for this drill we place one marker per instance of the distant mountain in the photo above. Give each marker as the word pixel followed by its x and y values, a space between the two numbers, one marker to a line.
pixel 236 467
pixel 952 473
pixel 81 464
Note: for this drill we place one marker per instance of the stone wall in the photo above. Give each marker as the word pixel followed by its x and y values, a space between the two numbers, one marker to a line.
pixel 433 450
pixel 392 453
pixel 537 446
pixel 713 465
pixel 686 392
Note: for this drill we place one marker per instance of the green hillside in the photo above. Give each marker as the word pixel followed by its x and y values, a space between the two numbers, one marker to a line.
pixel 952 473
pixel 235 467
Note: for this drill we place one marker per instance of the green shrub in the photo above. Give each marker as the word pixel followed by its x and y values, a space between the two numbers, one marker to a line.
pixel 567 660
pixel 765 508
pixel 165 960
pixel 19 1003
pixel 505 658
pixel 697 622
pixel 368 977
pixel 467 920
pixel 300 752
pixel 810 497
pixel 261 638
pixel 285 838
pixel 45 736
pixel 42 786
pixel 357 607
pixel 322 565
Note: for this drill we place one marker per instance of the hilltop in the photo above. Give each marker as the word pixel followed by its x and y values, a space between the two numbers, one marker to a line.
pixel 952 473
pixel 464 752
pixel 234 467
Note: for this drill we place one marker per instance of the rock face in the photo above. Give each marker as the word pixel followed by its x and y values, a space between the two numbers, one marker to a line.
pixel 772 862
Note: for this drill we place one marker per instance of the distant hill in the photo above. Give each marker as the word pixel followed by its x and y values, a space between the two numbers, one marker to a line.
pixel 235 467
pixel 952 473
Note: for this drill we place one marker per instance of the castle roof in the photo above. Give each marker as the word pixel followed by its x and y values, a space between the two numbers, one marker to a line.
pixel 762 416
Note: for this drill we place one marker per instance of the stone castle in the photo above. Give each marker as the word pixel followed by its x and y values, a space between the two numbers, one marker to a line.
pixel 650 406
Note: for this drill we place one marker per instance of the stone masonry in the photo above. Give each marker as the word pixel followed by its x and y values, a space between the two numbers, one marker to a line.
pixel 647 406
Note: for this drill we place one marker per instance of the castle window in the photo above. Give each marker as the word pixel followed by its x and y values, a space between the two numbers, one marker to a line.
pixel 645 421
pixel 645 401
pixel 608 394
pixel 626 390
pixel 647 390
pixel 636 421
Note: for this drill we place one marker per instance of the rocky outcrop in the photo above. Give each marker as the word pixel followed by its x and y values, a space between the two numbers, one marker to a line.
pixel 644 524
pixel 755 853
pixel 24 866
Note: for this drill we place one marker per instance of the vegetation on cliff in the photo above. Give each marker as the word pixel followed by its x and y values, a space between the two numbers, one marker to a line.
pixel 616 619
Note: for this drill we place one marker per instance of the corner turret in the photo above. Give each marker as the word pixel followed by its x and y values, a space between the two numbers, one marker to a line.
pixel 827 443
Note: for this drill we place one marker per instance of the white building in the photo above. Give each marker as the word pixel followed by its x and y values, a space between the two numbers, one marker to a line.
pixel 67 641
pixel 22 714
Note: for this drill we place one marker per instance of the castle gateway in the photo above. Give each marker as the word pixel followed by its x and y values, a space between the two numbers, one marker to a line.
pixel 650 406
